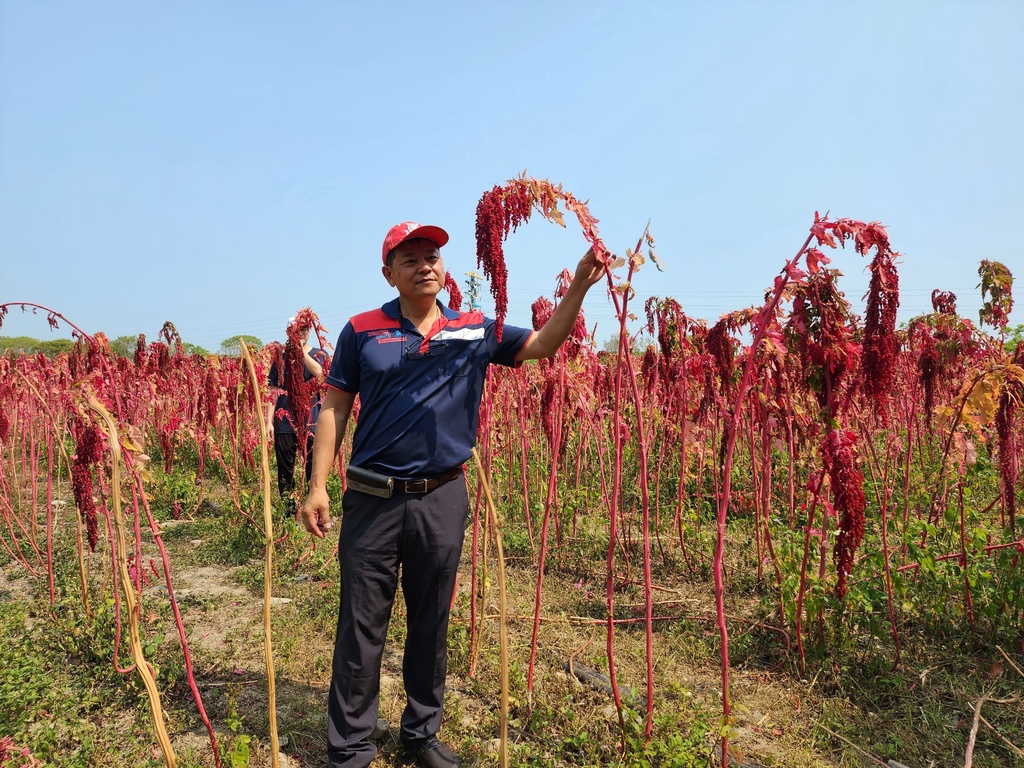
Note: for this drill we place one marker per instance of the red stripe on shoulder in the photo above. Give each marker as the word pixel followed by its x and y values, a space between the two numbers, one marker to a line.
pixel 374 320
pixel 467 319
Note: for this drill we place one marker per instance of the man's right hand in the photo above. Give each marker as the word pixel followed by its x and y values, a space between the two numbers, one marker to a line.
pixel 316 515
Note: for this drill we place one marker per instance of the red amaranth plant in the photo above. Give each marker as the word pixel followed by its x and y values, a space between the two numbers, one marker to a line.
pixel 542 309
pixel 667 323
pixel 502 209
pixel 944 302
pixel 140 352
pixel 171 338
pixel 6 396
pixel 927 364
pixel 300 392
pixel 880 346
pixel 820 329
pixel 719 344
pixel 878 364
pixel 997 283
pixel 88 451
pixel 211 392
pixel 1007 440
pixel 847 499
pixel 454 294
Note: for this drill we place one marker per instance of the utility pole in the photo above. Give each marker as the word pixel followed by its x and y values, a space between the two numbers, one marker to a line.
pixel 473 290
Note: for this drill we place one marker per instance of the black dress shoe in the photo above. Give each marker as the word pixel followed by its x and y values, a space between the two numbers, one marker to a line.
pixel 433 753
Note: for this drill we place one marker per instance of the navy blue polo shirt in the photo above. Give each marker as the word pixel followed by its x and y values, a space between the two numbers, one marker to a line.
pixel 419 395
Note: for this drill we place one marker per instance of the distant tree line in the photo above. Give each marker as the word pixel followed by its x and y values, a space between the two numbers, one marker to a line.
pixel 123 346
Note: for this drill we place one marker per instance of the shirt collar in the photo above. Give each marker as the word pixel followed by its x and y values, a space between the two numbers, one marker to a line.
pixel 391 309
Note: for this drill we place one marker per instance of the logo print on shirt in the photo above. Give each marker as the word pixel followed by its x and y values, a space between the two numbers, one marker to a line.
pixel 386 337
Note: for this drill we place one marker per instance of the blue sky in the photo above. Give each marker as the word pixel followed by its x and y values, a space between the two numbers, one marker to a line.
pixel 222 164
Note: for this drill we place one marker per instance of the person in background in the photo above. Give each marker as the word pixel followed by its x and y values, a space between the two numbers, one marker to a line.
pixel 418 368
pixel 281 417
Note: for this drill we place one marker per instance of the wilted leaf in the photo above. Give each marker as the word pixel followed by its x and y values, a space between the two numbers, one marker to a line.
pixel 980 399
pixel 556 215
pixel 657 262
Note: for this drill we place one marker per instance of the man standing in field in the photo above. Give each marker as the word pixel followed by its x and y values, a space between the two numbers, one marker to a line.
pixel 419 369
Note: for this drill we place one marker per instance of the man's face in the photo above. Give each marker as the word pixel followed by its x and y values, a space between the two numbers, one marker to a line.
pixel 416 269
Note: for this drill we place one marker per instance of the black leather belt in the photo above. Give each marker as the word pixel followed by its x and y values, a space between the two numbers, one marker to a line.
pixel 427 484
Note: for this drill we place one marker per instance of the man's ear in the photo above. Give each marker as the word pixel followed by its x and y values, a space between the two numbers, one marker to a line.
pixel 386 271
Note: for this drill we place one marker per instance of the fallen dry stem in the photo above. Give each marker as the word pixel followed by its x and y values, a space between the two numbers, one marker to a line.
pixel 969 755
pixel 1008 659
pixel 1006 741
pixel 868 755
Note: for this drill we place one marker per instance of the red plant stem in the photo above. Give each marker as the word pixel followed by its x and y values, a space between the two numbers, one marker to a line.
pixel 49 515
pixel 556 454
pixel 756 495
pixel 766 500
pixel 10 515
pixel 883 493
pixel 730 434
pixel 52 422
pixel 681 484
pixel 1019 544
pixel 662 456
pixel 963 558
pixel 791 444
pixel 556 444
pixel 906 484
pixel 34 474
pixel 613 504
pixel 646 514
pixel 179 623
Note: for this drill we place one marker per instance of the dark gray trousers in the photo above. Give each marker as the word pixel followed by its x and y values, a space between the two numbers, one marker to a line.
pixel 423 533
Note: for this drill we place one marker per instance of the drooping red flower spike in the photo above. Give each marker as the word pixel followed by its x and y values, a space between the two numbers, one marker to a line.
pixel 454 294
pixel 299 390
pixel 88 451
pixel 847 499
pixel 878 367
pixel 503 208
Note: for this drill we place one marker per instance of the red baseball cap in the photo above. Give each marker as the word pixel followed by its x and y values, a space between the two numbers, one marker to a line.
pixel 407 230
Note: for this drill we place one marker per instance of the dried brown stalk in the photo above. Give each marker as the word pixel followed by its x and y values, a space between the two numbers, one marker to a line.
pixel 121 555
pixel 268 564
pixel 502 610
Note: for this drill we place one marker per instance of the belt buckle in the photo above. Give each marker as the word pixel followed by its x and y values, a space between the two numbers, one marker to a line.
pixel 417 486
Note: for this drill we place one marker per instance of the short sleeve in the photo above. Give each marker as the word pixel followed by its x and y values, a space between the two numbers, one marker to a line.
pixel 344 371
pixel 512 340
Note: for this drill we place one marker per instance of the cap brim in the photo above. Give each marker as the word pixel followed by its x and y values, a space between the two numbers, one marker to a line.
pixel 436 235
